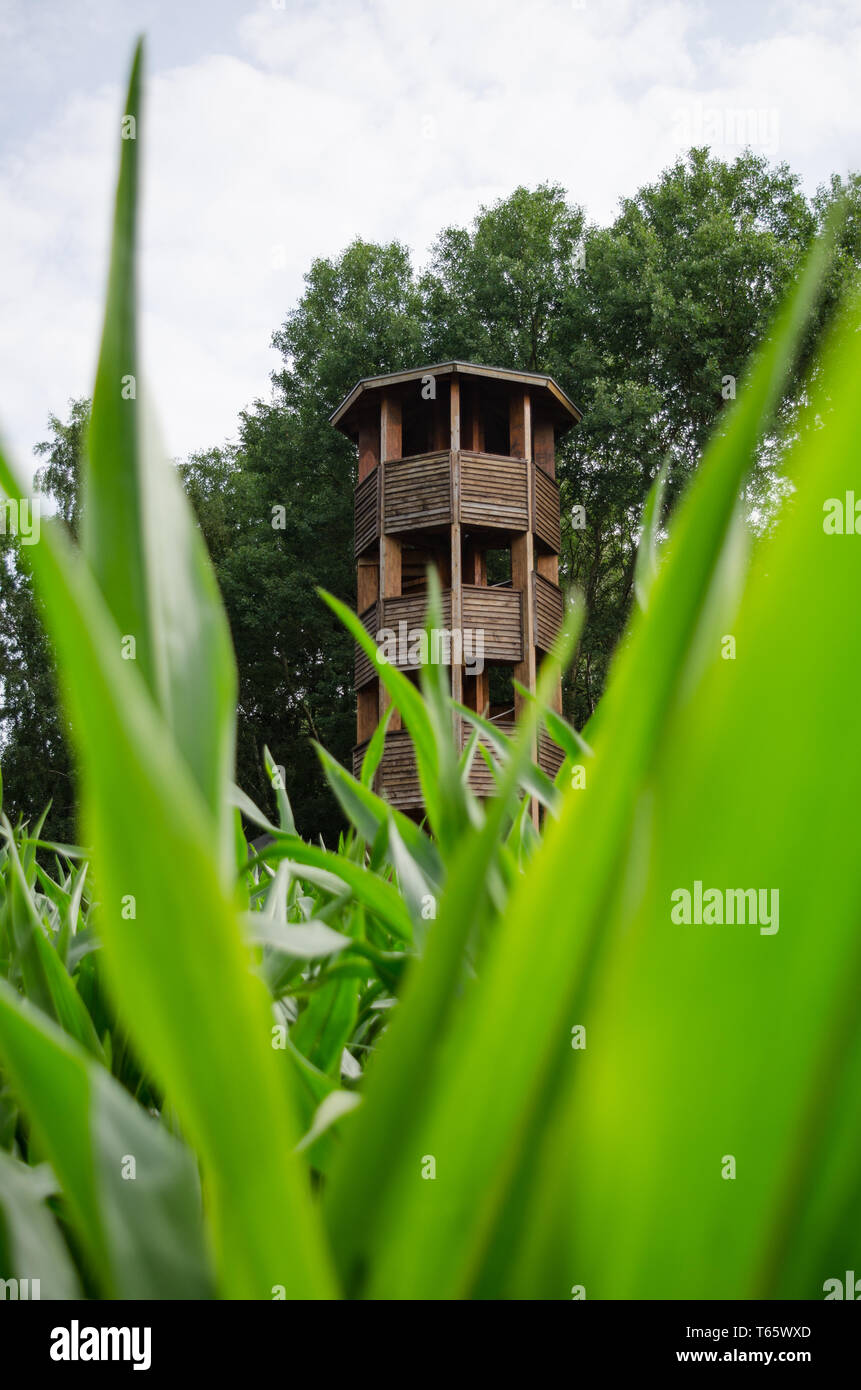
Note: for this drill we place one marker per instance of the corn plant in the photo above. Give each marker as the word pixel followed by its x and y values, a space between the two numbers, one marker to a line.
pixel 450 1060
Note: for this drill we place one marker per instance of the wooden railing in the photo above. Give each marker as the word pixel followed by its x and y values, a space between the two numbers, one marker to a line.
pixel 364 668
pixel 367 511
pixel 494 491
pixel 550 755
pixel 397 778
pixel 545 522
pixel 498 614
pixel 549 610
pixel 418 492
pixel 481 777
pixel 412 610
pixel 494 494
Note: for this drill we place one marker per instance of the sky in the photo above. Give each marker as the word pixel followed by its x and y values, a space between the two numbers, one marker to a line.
pixel 275 132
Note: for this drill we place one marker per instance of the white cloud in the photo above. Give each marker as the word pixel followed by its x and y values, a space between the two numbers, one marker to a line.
pixel 389 119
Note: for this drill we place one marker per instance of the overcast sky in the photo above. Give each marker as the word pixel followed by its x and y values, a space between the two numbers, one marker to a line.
pixel 278 131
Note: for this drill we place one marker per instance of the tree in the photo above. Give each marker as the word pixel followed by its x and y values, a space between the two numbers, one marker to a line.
pixel 37 765
pixel 59 478
pixel 277 514
pixel 493 294
pixel 648 324
pixel 659 330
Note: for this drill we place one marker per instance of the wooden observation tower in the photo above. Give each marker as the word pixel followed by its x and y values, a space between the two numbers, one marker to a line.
pixel 457 470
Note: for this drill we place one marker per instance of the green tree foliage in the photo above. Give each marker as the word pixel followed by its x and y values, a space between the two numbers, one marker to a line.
pixel 37 765
pixel 643 322
pixel 59 476
pixel 495 294
pixel 647 323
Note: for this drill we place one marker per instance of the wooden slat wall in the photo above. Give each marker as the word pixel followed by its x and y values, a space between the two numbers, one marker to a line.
pixel 546 524
pixel 358 756
pixel 498 612
pixel 550 756
pixel 493 491
pixel 364 669
pixel 397 778
pixel 412 610
pixel 549 609
pixel 367 505
pixel 418 492
pixel 481 779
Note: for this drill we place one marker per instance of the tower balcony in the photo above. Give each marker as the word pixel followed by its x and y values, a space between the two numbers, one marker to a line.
pixel 549 609
pixel 493 617
pixel 397 779
pixel 490 491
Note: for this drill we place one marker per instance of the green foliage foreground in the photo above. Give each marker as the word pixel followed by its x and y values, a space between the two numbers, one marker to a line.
pixel 452 1061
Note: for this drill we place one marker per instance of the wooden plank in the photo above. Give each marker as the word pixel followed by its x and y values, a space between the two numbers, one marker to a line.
pixel 456 541
pixel 367 711
pixel 367 582
pixel 521 579
pixel 391 443
pixel 454 415
pixel 397 777
pixel 481 778
pixel 441 434
pixel 367 512
pixel 544 442
pixel 547 517
pixel 418 492
pixel 498 614
pixel 549 610
pixel 550 756
pixel 364 669
pixel 548 566
pixel 494 492
pixel 519 429
pixel 484 459
pixel 369 443
pixel 556 398
pixel 412 609
pixel 391 427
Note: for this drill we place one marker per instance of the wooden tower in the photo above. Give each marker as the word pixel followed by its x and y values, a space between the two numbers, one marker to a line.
pixel 457 469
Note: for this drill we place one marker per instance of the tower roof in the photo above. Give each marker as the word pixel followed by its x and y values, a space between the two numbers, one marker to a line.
pixel 565 413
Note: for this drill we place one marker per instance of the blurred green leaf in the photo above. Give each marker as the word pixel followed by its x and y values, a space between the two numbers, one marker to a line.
pixel 144 1232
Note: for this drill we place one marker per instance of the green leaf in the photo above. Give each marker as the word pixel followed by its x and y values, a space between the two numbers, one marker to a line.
pixel 408 701
pixel 398 1083
pixel 376 747
pixel 485 1135
pixel 155 778
pixel 144 551
pixel 310 941
pixel 369 814
pixel 144 1234
pixel 329 1112
pixel 31 1246
pixel 378 896
pixel 44 977
pixel 646 565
